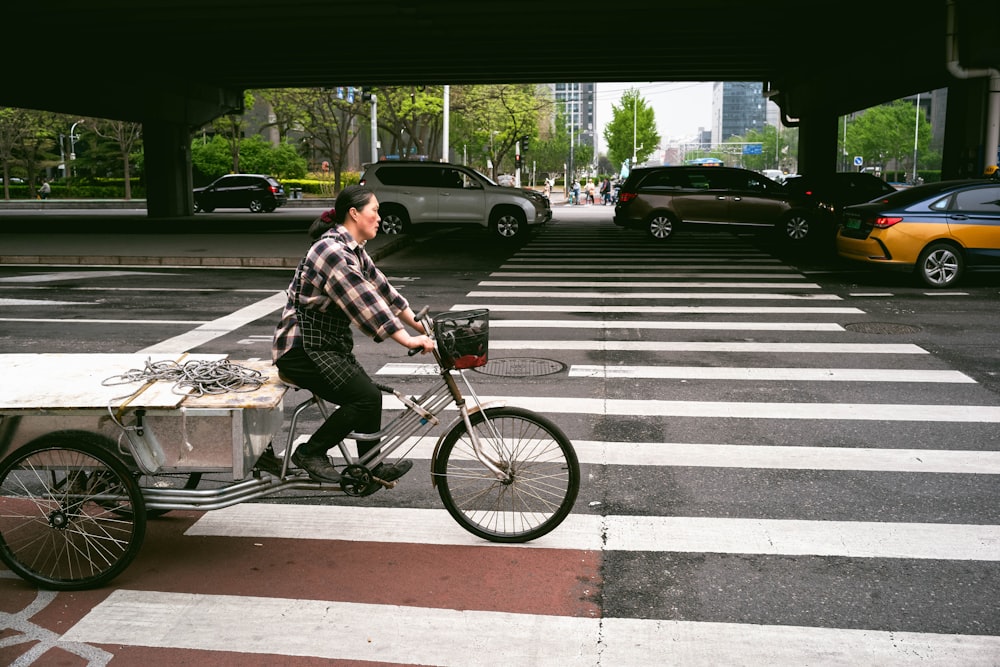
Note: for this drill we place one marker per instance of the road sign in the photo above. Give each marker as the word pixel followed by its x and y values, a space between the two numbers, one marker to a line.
pixel 858 160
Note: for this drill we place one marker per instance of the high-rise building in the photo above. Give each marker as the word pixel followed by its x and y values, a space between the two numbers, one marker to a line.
pixel 578 102
pixel 737 108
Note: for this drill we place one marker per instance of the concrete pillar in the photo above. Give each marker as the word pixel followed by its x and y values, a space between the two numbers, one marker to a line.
pixel 965 130
pixel 167 148
pixel 818 142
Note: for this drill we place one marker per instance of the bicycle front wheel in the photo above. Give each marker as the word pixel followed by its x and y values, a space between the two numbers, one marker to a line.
pixel 71 514
pixel 543 475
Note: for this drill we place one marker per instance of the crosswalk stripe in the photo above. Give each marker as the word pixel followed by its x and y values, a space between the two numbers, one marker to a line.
pixel 644 274
pixel 727 373
pixel 890 412
pixel 634 284
pixel 664 324
pixel 769 374
pixel 856 539
pixel 773 457
pixel 666 295
pixel 332 630
pixel 663 310
pixel 700 346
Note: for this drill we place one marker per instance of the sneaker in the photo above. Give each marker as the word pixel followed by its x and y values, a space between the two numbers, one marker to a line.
pixel 317 465
pixel 392 472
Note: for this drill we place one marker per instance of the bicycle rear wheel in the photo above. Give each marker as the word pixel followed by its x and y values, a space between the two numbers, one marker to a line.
pixel 544 475
pixel 72 516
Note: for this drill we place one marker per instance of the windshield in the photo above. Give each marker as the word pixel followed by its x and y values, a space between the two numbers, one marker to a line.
pixel 483 176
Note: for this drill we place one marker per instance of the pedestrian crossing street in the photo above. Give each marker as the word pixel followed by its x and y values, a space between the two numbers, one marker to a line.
pixel 761 486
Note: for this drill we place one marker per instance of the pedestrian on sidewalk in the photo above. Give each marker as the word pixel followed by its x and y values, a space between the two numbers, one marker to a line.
pixel 46 189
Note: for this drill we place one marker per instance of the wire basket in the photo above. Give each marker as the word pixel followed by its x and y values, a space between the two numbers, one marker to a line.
pixel 463 338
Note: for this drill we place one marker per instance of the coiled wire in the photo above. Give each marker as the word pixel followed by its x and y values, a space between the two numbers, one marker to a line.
pixel 194 378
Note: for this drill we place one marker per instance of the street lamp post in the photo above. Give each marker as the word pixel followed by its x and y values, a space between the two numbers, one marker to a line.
pixel 72 145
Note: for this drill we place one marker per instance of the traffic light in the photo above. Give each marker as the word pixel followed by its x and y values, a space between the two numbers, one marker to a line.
pixel 524 144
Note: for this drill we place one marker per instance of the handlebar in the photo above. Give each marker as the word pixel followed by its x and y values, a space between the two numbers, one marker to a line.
pixel 422 317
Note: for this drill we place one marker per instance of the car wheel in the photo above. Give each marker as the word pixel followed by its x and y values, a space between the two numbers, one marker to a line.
pixel 660 226
pixel 940 265
pixel 796 227
pixel 394 220
pixel 509 224
pixel 270 208
pixel 256 205
pixel 204 209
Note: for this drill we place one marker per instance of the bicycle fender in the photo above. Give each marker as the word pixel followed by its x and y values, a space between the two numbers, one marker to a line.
pixel 451 426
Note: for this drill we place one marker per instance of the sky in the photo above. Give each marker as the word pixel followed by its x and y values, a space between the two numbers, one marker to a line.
pixel 681 107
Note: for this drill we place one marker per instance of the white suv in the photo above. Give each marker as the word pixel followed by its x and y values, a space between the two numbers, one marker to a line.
pixel 412 193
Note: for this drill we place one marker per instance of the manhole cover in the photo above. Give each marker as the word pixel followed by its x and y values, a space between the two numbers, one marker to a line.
pixel 516 367
pixel 881 328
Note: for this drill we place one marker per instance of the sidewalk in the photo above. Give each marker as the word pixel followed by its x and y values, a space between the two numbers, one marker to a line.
pixel 130 238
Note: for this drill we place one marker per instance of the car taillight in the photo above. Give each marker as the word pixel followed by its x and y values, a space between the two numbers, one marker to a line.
pixel 274 190
pixel 882 222
pixel 625 197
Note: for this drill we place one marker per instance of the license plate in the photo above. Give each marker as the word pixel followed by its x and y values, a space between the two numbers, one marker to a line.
pixel 852 223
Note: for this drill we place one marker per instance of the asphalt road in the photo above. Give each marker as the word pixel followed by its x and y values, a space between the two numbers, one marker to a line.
pixel 786 461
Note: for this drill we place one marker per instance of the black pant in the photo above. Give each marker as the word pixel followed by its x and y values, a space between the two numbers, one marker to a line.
pixel 359 401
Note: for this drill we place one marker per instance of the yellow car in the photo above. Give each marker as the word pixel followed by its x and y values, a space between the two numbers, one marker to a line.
pixel 937 230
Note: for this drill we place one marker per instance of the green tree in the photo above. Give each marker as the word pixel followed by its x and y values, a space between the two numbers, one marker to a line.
pixel 633 117
pixel 492 118
pixel 330 124
pixel 258 156
pixel 411 121
pixel 15 126
pixel 126 137
pixel 232 126
pixel 884 134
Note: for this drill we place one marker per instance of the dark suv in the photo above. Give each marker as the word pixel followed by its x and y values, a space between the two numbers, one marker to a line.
pixel 413 193
pixel 253 191
pixel 660 200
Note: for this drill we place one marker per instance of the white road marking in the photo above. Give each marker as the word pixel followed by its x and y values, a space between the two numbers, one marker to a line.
pixel 662 310
pixel 75 275
pixel 220 327
pixel 632 273
pixel 854 539
pixel 772 457
pixel 889 412
pixel 660 324
pixel 665 295
pixel 51 320
pixel 769 374
pixel 43 302
pixel 698 346
pixel 354 631
pixel 632 284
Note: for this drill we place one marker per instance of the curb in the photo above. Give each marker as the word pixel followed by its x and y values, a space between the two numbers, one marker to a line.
pixel 384 249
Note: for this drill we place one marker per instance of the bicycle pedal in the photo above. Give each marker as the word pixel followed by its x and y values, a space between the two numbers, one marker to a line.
pixel 384 483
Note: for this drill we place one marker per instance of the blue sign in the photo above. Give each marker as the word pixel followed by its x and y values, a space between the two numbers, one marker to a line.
pixel 753 149
pixel 858 160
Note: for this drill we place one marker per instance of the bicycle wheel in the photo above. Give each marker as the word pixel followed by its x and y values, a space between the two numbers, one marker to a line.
pixel 72 516
pixel 544 475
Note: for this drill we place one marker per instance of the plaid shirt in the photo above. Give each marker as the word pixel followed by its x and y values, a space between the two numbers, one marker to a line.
pixel 338 278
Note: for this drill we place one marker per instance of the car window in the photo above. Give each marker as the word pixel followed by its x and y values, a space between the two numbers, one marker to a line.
pixel 699 180
pixel 978 200
pixel 452 178
pixel 408 176
pixel 666 179
pixel 719 179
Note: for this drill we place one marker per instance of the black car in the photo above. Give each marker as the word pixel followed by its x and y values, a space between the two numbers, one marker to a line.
pixel 661 200
pixel 253 191
pixel 832 192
